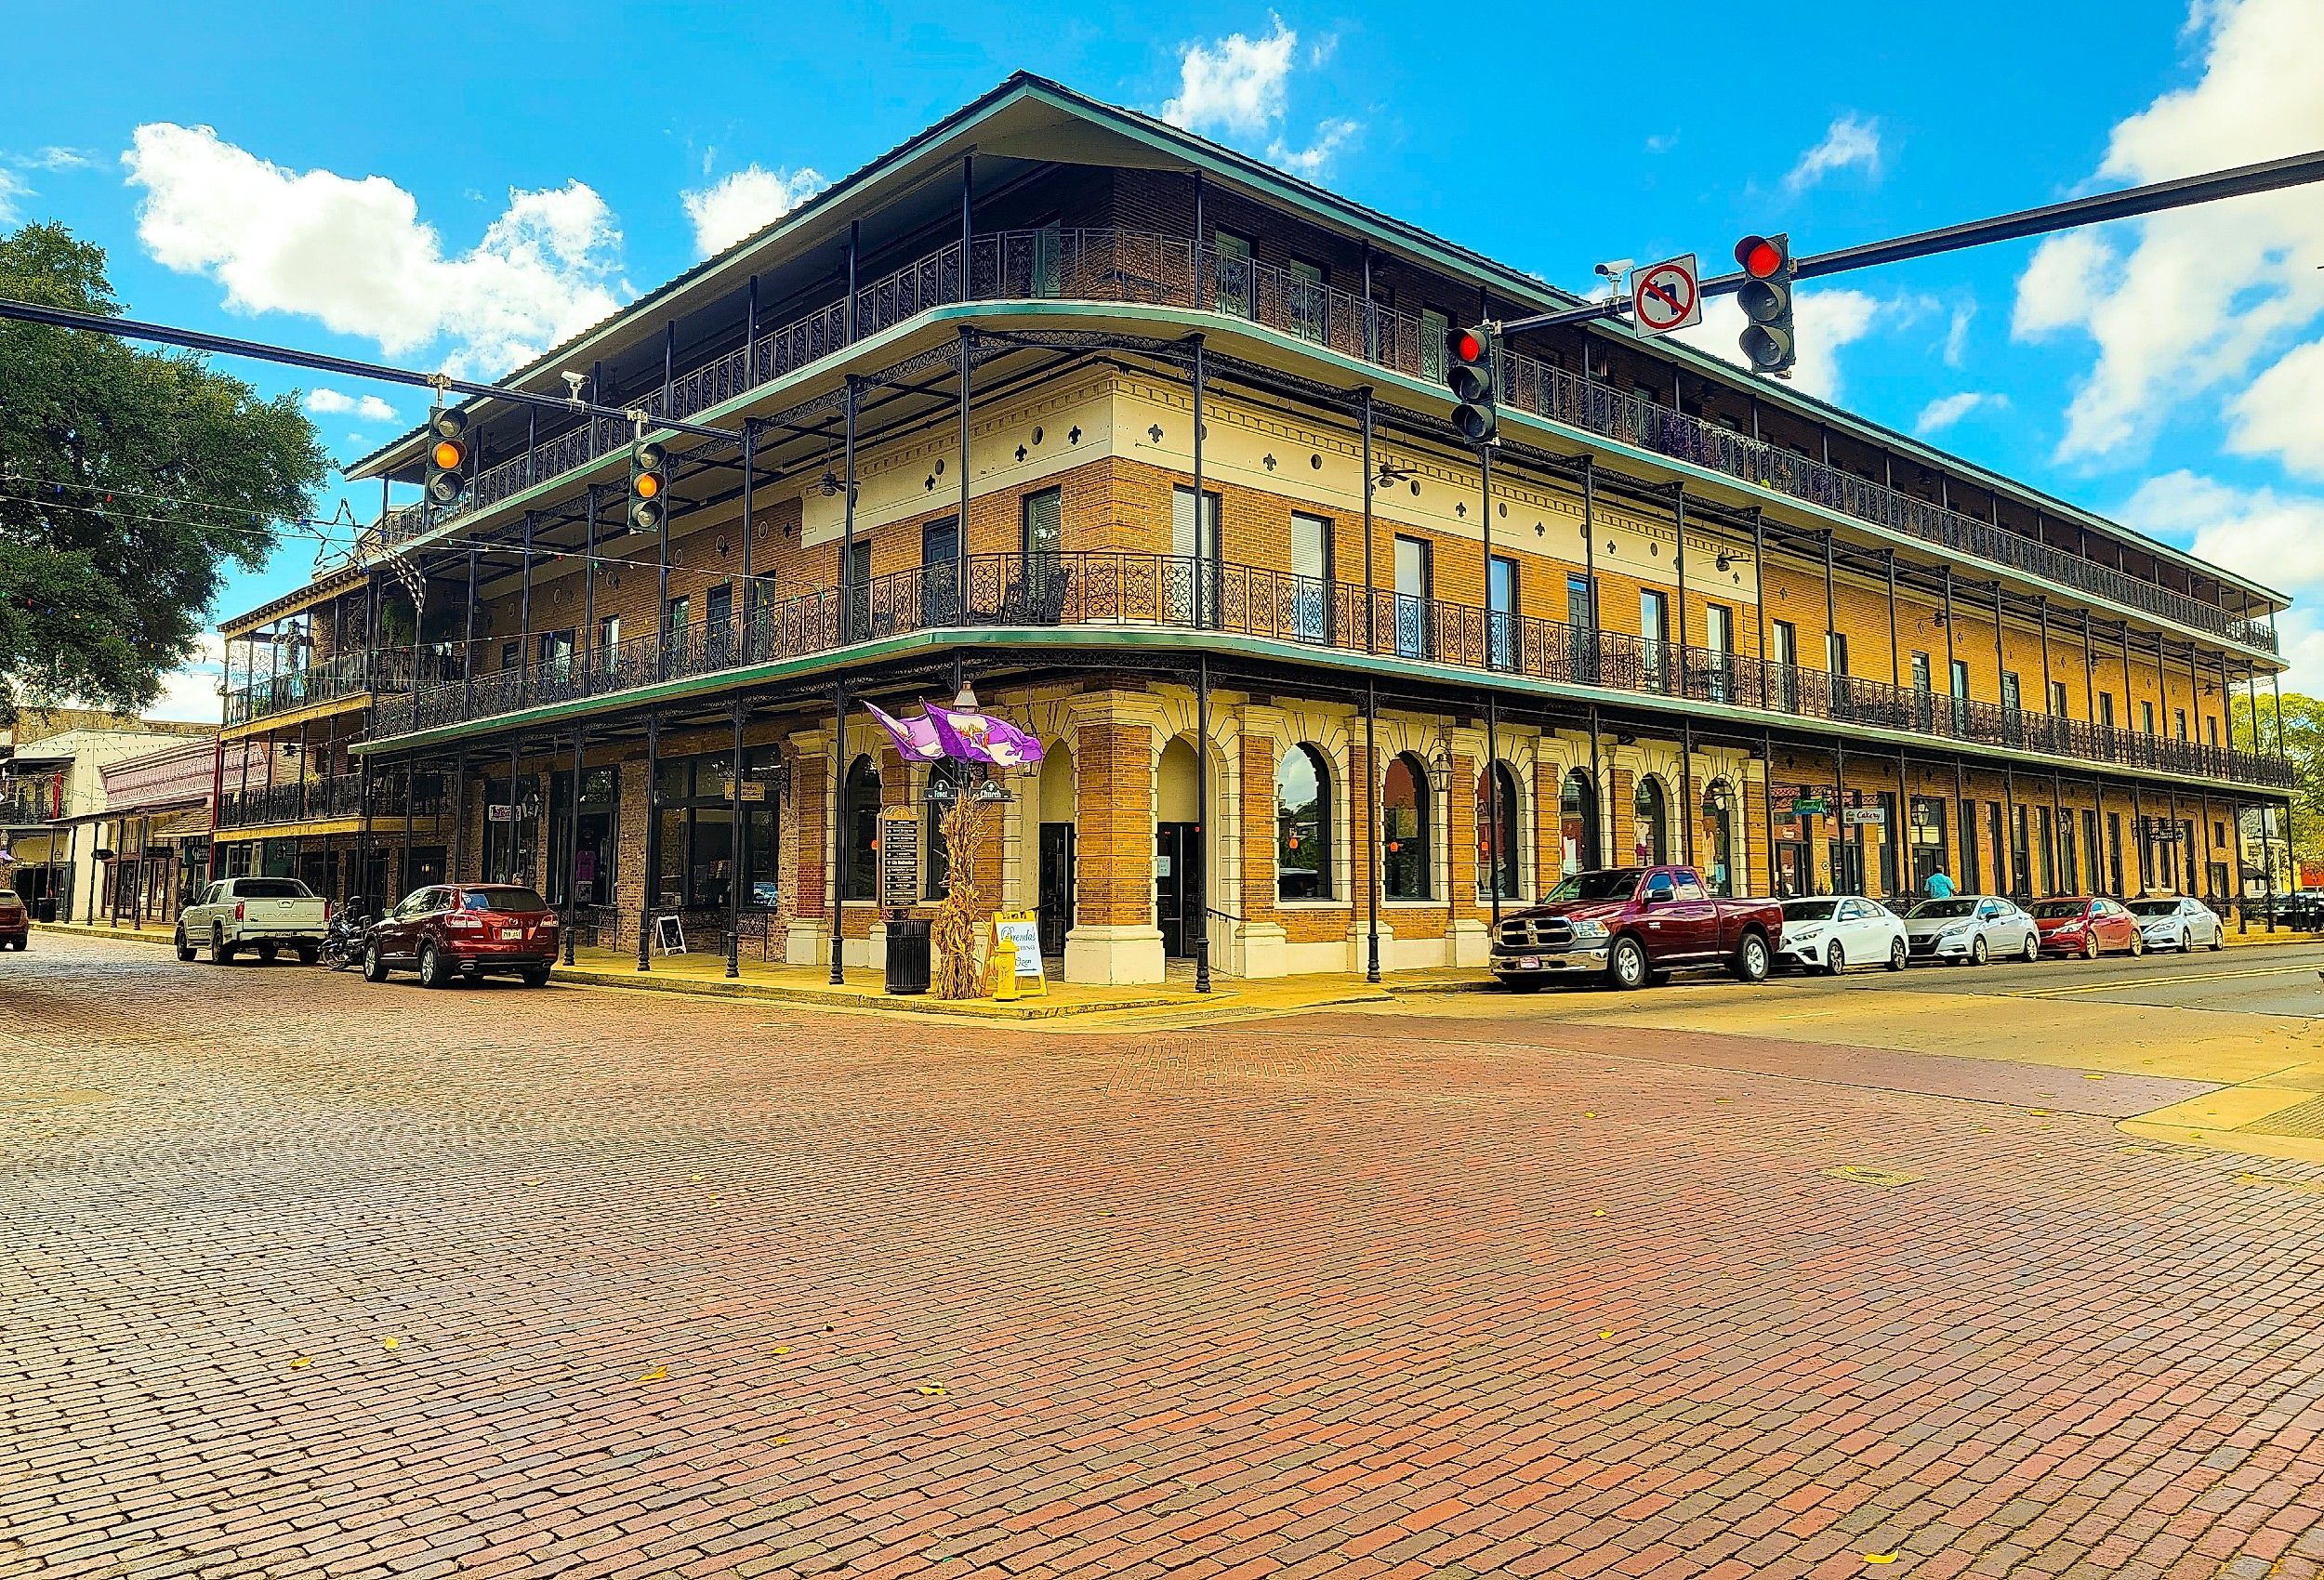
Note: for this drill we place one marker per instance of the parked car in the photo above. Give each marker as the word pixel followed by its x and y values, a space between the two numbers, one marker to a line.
pixel 1971 928
pixel 1826 933
pixel 2179 924
pixel 2302 909
pixel 2088 926
pixel 265 915
pixel 16 922
pixel 450 931
pixel 1630 926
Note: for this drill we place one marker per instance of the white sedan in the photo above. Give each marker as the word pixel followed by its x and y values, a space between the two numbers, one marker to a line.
pixel 1826 934
pixel 2178 924
pixel 1972 928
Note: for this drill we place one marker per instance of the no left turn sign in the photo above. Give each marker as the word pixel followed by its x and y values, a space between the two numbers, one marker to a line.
pixel 1665 297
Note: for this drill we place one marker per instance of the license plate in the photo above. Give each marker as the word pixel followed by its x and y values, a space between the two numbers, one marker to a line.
pixel 509 934
pixel 1528 962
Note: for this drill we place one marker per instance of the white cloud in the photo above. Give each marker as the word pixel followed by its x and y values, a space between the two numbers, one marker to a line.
pixel 54 158
pixel 1824 321
pixel 12 187
pixel 1851 142
pixel 2282 412
pixel 1662 143
pixel 1946 410
pixel 2276 539
pixel 332 403
pixel 1311 163
pixel 355 255
pixel 1234 84
pixel 1957 334
pixel 1239 87
pixel 2194 298
pixel 744 202
pixel 190 691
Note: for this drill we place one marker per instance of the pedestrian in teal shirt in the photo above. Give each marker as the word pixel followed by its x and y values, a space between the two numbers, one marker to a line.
pixel 1940 886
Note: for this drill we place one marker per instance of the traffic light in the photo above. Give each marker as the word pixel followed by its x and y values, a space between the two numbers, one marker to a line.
pixel 1472 368
pixel 1765 299
pixel 649 481
pixel 449 456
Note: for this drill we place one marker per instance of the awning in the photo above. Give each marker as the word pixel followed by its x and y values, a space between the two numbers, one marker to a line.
pixel 193 822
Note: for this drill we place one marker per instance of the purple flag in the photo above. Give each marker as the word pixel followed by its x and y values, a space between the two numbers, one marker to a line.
pixel 979 737
pixel 917 739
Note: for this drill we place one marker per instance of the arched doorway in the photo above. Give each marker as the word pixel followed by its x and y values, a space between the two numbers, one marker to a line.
pixel 1718 843
pixel 1498 823
pixel 1181 867
pixel 1578 825
pixel 1651 811
pixel 1054 898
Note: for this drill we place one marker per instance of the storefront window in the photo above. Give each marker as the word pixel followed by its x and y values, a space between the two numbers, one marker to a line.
pixel 1302 825
pixel 1403 862
pixel 1497 806
pixel 859 879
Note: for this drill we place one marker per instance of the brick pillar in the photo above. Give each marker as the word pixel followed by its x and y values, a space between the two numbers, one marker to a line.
pixel 1114 937
pixel 807 819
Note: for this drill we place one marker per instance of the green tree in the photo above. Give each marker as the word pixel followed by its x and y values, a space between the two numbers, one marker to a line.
pixel 2304 744
pixel 128 480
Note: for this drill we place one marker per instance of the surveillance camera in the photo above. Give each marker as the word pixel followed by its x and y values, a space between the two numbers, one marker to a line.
pixel 1613 270
pixel 573 381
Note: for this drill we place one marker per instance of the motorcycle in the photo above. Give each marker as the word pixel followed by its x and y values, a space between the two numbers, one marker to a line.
pixel 343 938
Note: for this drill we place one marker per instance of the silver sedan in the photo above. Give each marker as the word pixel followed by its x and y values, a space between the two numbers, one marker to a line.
pixel 2182 923
pixel 1970 929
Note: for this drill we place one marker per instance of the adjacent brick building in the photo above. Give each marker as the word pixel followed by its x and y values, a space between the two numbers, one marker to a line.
pixel 1693 616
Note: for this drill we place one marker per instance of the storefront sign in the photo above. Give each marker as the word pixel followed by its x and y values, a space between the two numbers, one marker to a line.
pixel 1860 817
pixel 498 813
pixel 899 855
pixel 1811 807
pixel 1015 966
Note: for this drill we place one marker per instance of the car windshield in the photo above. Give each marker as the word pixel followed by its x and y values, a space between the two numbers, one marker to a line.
pixel 270 889
pixel 1618 884
pixel 501 900
pixel 1808 910
pixel 2154 907
pixel 2059 910
pixel 1942 910
pixel 7 897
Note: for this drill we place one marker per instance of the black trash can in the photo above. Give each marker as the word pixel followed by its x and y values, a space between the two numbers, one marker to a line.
pixel 908 955
pixel 45 908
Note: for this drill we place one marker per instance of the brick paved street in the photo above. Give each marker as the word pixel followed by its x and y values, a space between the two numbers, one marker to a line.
pixel 308 1277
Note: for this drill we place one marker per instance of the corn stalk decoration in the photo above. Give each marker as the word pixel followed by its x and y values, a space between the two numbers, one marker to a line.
pixel 957 927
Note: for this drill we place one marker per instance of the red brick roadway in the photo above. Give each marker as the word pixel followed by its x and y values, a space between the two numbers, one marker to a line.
pixel 678 1287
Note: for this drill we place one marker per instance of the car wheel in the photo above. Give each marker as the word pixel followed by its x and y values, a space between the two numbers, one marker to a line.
pixel 1978 953
pixel 1752 959
pixel 2219 937
pixel 266 953
pixel 2090 947
pixel 2138 944
pixel 374 965
pixel 432 972
pixel 1897 955
pixel 2033 948
pixel 309 954
pixel 221 951
pixel 1835 959
pixel 2187 941
pixel 536 975
pixel 185 949
pixel 1626 965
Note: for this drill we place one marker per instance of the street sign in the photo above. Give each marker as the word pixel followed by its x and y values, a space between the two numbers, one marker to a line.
pixel 899 857
pixel 1667 296
pixel 1860 817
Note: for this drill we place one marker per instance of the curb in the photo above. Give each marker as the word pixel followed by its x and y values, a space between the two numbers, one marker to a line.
pixel 126 935
pixel 958 1009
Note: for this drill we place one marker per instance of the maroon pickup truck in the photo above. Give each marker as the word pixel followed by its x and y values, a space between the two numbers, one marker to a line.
pixel 1633 926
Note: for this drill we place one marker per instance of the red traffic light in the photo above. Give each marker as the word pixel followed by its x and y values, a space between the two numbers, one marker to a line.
pixel 1759 258
pixel 1468 345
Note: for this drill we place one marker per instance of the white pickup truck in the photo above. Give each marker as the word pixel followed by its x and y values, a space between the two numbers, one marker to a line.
pixel 262 915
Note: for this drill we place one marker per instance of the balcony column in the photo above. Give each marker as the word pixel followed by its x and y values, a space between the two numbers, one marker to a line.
pixel 510 870
pixel 648 879
pixel 2000 665
pixel 845 580
pixel 2041 611
pixel 2130 713
pixel 1678 522
pixel 2162 689
pixel 217 798
pixel 1201 297
pixel 734 851
pixel 1201 896
pixel 586 646
pixel 1965 881
pixel 960 536
pixel 573 844
pixel 1837 816
pixel 1759 579
pixel 967 229
pixel 2060 836
pixel 363 828
pixel 1896 653
pixel 1598 832
pixel 524 615
pixel 1689 806
pixel 2210 896
pixel 468 646
pixel 459 816
pixel 1766 797
pixel 834 900
pixel 661 584
pixel 1371 807
pixel 1960 701
pixel 743 654
pixel 2090 675
pixel 2178 876
pixel 1493 851
pixel 2011 876
pixel 1590 573
pixel 2275 689
pixel 1371 323
pixel 1370 603
pixel 2138 826
pixel 1202 560
pixel 1899 837
pixel 404 855
pixel 1831 621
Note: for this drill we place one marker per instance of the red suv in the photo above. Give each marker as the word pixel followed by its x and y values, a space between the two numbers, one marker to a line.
pixel 2087 927
pixel 16 927
pixel 471 930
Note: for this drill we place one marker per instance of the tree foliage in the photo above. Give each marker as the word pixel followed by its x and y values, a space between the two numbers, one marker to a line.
pixel 129 481
pixel 2304 744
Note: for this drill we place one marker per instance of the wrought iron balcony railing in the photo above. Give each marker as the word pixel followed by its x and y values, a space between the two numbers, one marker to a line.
pixel 1119 590
pixel 1141 268
pixel 348 675
pixel 29 800
pixel 341 795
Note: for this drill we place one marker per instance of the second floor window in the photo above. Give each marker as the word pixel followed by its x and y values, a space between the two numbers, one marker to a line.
pixel 2147 717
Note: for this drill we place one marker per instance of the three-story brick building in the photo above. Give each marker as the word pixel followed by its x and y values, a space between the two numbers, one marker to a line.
pixel 1147 442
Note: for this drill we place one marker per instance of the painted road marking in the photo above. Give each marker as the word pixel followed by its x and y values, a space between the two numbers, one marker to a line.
pixel 2169 981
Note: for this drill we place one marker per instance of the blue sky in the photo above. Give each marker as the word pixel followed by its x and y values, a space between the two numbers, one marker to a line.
pixel 365 180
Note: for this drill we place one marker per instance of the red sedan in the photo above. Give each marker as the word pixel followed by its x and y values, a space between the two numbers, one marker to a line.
pixel 16 923
pixel 449 931
pixel 2087 927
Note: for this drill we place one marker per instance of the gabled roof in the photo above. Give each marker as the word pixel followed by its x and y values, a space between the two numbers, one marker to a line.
pixel 1031 117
